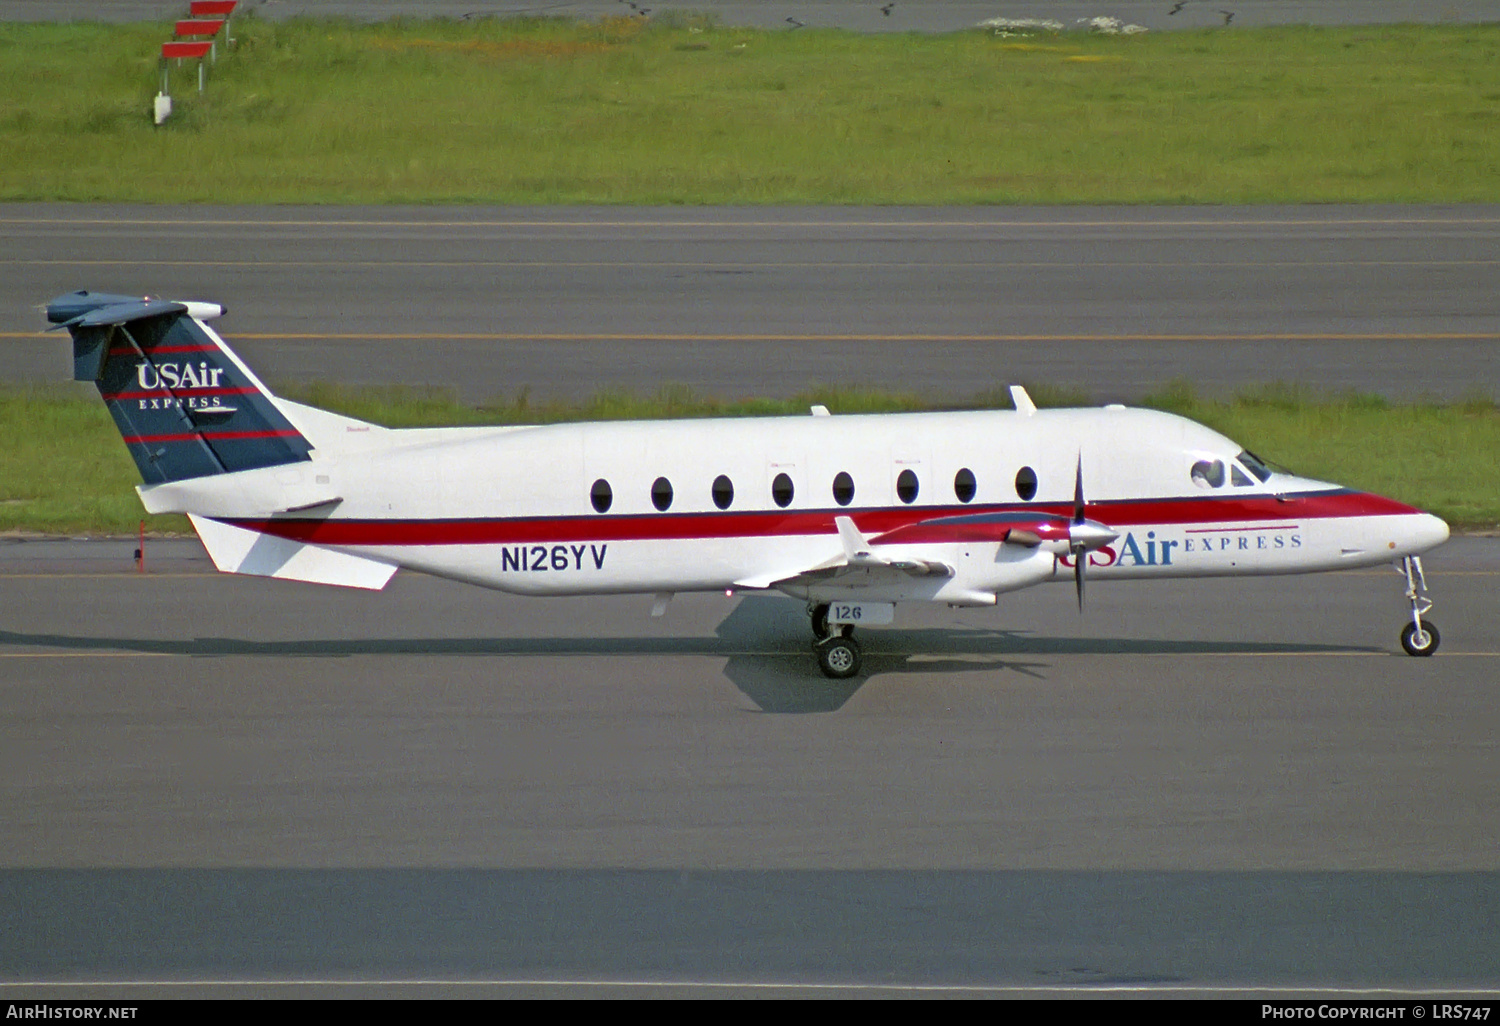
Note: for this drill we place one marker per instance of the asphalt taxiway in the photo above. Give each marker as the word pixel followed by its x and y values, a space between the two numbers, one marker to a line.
pixel 1194 787
pixel 945 302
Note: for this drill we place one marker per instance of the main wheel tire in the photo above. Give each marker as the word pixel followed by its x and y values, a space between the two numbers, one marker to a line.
pixel 819 615
pixel 838 658
pixel 1420 643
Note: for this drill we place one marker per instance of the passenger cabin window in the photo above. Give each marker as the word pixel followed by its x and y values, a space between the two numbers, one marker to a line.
pixel 723 492
pixel 601 496
pixel 964 485
pixel 781 491
pixel 1208 473
pixel 1026 484
pixel 843 489
pixel 1238 477
pixel 906 486
pixel 661 494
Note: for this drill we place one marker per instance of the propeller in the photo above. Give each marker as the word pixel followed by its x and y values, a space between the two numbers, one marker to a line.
pixel 1084 535
pixel 1076 546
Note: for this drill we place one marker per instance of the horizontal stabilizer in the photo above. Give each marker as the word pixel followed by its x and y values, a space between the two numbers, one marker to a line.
pixel 110 311
pixel 235 550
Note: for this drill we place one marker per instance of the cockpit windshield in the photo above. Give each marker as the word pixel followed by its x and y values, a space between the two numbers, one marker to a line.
pixel 1254 464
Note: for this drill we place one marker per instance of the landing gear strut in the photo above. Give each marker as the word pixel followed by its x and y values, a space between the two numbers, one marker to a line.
pixel 834 645
pixel 1419 638
pixel 819 616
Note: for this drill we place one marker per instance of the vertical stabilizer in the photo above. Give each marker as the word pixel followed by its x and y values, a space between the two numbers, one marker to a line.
pixel 184 403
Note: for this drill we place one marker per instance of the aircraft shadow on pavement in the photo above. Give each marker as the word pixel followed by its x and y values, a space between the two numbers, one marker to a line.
pixel 765 641
pixel 791 682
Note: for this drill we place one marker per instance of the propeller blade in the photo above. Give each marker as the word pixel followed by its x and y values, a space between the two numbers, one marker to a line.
pixel 1080 552
pixel 1078 492
pixel 1084 535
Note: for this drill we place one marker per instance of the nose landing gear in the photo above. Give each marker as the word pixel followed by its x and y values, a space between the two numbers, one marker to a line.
pixel 834 645
pixel 1419 638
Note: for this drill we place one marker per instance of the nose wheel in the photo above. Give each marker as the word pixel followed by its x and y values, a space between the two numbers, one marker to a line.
pixel 1420 641
pixel 1420 637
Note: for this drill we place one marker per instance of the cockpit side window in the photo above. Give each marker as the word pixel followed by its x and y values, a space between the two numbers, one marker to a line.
pixel 1238 477
pixel 1255 465
pixel 1208 473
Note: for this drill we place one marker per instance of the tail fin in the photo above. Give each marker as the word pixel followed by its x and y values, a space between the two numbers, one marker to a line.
pixel 184 403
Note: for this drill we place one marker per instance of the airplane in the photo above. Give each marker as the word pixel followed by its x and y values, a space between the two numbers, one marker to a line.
pixel 850 514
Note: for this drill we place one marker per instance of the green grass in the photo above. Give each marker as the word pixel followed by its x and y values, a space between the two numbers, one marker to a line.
pixel 1438 457
pixel 407 406
pixel 64 469
pixel 553 111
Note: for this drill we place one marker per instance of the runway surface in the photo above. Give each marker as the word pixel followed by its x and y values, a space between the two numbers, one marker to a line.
pixel 858 15
pixel 945 302
pixel 223 786
pixel 1197 787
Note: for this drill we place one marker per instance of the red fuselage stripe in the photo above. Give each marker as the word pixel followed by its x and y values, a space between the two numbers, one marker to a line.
pixel 1254 510
pixel 157 350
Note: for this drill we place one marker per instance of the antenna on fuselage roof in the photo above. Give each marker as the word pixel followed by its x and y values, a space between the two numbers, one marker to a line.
pixel 1022 401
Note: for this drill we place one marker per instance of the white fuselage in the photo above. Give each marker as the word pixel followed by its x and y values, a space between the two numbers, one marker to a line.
pixel 511 508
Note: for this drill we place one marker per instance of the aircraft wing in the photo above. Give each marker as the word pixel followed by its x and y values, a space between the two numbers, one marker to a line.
pixel 861 556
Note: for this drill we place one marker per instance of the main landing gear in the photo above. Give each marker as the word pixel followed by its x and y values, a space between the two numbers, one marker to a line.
pixel 837 651
pixel 1420 637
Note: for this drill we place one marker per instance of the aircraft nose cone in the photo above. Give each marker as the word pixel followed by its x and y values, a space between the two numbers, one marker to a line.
pixel 1431 532
pixel 1419 532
